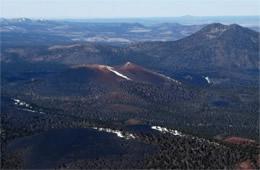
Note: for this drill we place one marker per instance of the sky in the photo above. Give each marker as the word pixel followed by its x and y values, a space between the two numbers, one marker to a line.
pixel 126 8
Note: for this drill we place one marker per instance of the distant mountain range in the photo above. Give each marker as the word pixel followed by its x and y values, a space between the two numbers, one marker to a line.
pixel 216 45
pixel 187 19
pixel 229 50
pixel 39 32
pixel 50 32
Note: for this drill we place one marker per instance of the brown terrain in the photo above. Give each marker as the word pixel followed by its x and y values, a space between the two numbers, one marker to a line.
pixel 238 140
pixel 132 122
pixel 244 165
pixel 141 74
pixel 128 71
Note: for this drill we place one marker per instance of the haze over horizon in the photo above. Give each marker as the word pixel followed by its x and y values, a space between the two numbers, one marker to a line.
pixel 79 9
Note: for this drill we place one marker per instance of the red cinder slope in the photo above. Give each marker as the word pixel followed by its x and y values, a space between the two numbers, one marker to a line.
pixel 140 74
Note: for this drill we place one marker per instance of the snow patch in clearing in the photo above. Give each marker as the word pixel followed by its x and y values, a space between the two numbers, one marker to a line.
pixel 177 133
pixel 119 133
pixel 165 130
pixel 25 106
pixel 207 79
pixel 29 110
pixel 21 103
pixel 117 73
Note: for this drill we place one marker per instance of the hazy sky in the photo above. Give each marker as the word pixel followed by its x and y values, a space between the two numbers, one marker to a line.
pixel 126 8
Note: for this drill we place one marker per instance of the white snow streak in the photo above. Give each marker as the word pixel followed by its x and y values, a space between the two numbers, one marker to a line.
pixel 25 106
pixel 165 130
pixel 119 134
pixel 117 73
pixel 207 78
pixel 177 133
pixel 169 78
pixel 21 103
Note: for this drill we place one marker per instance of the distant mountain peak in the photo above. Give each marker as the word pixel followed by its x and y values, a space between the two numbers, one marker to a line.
pixel 218 27
pixel 235 25
pixel 127 64
pixel 216 30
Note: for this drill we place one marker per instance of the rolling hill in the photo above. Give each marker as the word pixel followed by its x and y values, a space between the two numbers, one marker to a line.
pixel 214 46
pixel 86 78
pixel 226 53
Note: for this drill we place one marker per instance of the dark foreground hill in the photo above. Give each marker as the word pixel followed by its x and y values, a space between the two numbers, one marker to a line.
pixel 56 148
pixel 107 99
pixel 87 148
pixel 125 92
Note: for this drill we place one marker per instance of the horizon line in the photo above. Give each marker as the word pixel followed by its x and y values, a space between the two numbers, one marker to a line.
pixel 152 17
